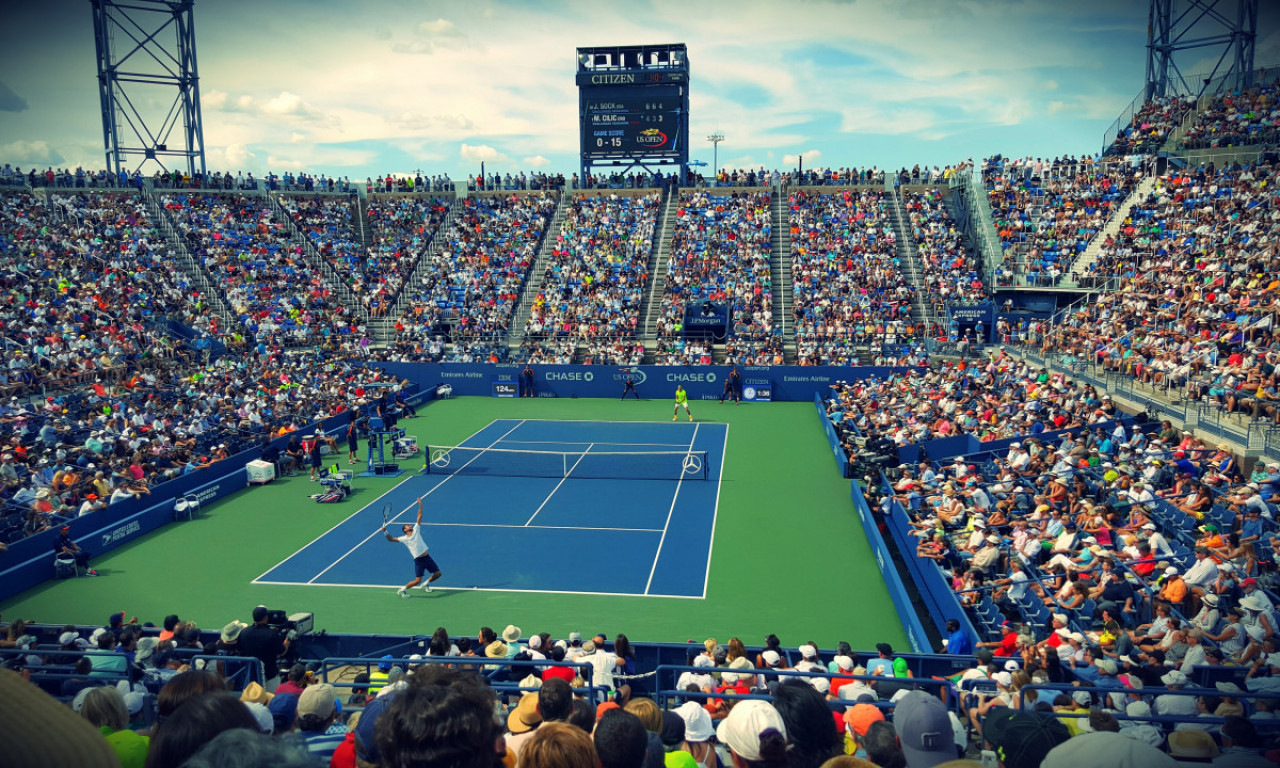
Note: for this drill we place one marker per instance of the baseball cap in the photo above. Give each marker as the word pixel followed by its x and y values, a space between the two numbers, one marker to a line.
pixel 366 744
pixel 924 730
pixel 1106 749
pixel 750 720
pixel 284 710
pixel 697 723
pixel 1022 739
pixel 860 717
pixel 319 700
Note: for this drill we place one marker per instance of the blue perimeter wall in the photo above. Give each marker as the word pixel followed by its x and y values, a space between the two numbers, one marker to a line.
pixel 30 561
pixel 702 382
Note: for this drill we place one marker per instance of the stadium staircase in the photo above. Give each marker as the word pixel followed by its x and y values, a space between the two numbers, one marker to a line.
pixel 344 292
pixel 537 275
pixel 365 232
pixel 382 330
pixel 909 257
pixel 178 248
pixel 1113 225
pixel 1170 144
pixel 780 271
pixel 661 253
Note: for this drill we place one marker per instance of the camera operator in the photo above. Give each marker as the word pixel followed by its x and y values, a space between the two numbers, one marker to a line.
pixel 265 643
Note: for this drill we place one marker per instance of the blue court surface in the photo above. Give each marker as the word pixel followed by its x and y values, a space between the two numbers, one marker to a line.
pixel 595 535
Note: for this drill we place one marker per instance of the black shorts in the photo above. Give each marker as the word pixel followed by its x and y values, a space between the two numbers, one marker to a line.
pixel 423 565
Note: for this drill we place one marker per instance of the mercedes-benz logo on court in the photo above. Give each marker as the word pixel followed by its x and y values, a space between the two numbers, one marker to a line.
pixel 440 458
pixel 691 464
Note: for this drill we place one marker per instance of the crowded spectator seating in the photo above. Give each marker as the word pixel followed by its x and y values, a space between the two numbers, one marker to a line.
pixel 720 253
pixel 598 269
pixel 469 288
pixel 1236 119
pixel 849 286
pixel 1047 212
pixel 91 291
pixel 1150 126
pixel 399 230
pixel 1194 318
pixel 273 288
pixel 952 273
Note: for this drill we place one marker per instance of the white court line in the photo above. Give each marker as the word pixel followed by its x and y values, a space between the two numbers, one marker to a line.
pixel 326 533
pixel 553 490
pixel 541 527
pixel 666 525
pixel 353 514
pixel 486 589
pixel 411 506
pixel 584 442
pixel 711 539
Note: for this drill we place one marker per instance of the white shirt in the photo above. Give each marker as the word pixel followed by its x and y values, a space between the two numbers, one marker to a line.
pixel 1202 574
pixel 602 665
pixel 417 547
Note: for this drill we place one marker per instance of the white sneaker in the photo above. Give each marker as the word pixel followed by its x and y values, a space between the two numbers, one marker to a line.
pixel 426 587
pixel 401 592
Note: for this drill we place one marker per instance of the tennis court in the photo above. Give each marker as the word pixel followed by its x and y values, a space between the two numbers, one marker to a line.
pixel 632 503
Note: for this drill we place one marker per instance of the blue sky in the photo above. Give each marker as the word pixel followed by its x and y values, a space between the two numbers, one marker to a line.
pixel 394 85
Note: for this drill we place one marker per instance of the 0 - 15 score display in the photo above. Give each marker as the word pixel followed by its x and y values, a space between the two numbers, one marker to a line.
pixel 630 120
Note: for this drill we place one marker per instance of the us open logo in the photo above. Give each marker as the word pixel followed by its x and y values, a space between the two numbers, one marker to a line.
pixel 636 376
pixel 652 137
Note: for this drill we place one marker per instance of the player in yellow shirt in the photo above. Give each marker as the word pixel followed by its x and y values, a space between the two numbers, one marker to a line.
pixel 682 398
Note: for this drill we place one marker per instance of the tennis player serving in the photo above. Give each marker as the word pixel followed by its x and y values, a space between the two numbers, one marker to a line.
pixel 682 398
pixel 422 562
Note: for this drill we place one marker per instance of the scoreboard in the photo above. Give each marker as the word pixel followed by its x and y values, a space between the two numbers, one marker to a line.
pixel 631 121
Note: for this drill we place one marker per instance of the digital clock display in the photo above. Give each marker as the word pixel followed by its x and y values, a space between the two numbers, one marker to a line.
pixel 643 120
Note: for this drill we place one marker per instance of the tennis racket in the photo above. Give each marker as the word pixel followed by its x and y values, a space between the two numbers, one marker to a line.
pixel 386 514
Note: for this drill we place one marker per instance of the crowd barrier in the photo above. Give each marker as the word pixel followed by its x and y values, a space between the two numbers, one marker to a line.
pixel 794 383
pixel 963 445
pixel 889 572
pixel 938 596
pixel 30 561
pixel 833 440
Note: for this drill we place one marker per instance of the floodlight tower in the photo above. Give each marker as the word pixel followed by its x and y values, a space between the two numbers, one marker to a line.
pixel 1178 26
pixel 144 46
pixel 715 140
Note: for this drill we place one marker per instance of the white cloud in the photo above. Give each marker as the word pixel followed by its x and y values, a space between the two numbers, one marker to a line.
pixel 812 156
pixel 481 153
pixel 281 164
pixel 430 36
pixel 297 138
pixel 536 161
pixel 230 157
pixel 22 153
pixel 284 104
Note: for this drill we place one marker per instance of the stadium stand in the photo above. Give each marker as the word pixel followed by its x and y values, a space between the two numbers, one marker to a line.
pixel 1047 212
pixel 720 251
pixel 951 271
pixel 1118 573
pixel 469 289
pixel 598 269
pixel 849 287
pixel 273 288
pixel 1237 119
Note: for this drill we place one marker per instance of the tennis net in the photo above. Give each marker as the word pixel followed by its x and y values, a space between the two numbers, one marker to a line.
pixel 601 465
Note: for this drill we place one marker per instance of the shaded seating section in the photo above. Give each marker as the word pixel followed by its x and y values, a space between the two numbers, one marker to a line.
pixel 1047 212
pixel 1194 319
pixel 268 280
pixel 720 252
pixel 952 272
pixel 469 289
pixel 1150 126
pixel 1236 119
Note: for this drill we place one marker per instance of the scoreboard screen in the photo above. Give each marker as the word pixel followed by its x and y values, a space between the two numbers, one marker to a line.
pixel 631 121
